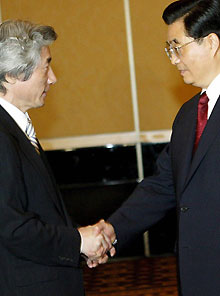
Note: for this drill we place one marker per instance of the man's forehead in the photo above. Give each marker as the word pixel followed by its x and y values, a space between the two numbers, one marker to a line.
pixel 176 32
pixel 45 54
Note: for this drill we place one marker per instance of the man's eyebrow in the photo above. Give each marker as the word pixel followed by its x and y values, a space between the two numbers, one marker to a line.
pixel 173 41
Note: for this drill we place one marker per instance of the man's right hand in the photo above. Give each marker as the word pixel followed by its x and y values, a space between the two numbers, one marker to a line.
pixel 94 243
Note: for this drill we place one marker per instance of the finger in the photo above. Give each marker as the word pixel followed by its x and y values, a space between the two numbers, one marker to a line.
pixel 101 245
pixel 102 221
pixel 89 263
pixel 107 231
pixel 112 251
pixel 96 230
pixel 92 264
pixel 97 254
pixel 100 224
pixel 103 259
pixel 100 252
pixel 105 244
pixel 95 264
pixel 108 240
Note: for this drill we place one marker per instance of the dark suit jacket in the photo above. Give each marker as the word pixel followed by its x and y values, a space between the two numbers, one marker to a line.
pixel 39 248
pixel 192 184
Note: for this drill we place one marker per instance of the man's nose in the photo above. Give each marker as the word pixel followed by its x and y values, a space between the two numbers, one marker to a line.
pixel 51 77
pixel 174 59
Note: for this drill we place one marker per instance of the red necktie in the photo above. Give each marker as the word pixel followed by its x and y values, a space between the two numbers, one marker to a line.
pixel 201 118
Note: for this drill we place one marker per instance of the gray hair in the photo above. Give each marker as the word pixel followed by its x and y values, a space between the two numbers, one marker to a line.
pixel 20 48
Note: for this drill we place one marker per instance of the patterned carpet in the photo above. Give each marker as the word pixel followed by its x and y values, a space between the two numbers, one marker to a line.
pixel 154 276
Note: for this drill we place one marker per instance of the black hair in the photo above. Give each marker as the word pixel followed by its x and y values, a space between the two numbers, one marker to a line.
pixel 201 17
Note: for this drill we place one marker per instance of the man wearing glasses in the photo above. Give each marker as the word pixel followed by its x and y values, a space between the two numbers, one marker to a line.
pixel 188 170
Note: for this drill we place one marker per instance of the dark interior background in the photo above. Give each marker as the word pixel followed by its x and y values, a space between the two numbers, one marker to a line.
pixel 95 181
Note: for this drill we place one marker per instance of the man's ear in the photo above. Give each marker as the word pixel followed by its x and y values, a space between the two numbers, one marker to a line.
pixel 213 42
pixel 10 80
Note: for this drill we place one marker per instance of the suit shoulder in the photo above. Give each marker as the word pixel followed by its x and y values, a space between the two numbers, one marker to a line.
pixel 187 107
pixel 190 103
pixel 7 141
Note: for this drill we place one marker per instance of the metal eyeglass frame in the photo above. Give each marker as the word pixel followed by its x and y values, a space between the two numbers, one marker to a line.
pixel 176 49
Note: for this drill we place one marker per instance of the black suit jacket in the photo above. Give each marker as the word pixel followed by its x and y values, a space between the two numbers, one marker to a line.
pixel 192 185
pixel 39 248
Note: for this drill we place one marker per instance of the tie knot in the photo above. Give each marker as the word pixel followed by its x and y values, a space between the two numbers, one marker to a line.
pixel 203 99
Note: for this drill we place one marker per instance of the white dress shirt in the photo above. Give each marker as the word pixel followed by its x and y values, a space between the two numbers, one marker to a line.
pixel 213 92
pixel 19 117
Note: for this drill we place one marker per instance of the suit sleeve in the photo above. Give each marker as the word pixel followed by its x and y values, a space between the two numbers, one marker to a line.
pixel 23 232
pixel 150 201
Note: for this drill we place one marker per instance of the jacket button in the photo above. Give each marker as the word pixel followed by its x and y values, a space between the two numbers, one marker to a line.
pixel 184 209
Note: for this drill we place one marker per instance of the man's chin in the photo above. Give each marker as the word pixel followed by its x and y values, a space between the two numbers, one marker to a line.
pixel 40 104
pixel 188 81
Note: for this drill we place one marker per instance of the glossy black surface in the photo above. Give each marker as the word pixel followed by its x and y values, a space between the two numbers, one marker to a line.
pixel 94 165
pixel 150 153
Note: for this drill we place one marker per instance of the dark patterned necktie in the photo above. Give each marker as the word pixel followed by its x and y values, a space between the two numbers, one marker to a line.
pixel 201 118
pixel 32 135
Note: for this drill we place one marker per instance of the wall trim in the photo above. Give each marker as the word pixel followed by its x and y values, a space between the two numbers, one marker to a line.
pixel 134 93
pixel 0 12
pixel 126 139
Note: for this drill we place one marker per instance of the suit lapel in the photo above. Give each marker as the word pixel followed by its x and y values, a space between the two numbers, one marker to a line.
pixel 58 194
pixel 29 151
pixel 46 176
pixel 183 141
pixel 211 131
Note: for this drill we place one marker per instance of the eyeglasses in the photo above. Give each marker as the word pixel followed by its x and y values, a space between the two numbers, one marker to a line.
pixel 176 50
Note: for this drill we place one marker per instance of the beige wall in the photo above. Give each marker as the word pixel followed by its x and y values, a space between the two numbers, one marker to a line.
pixel 161 90
pixel 90 59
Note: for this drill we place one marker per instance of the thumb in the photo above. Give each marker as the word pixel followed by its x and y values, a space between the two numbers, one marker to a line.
pixel 100 225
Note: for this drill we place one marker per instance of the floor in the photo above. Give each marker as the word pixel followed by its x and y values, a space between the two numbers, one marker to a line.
pixel 155 276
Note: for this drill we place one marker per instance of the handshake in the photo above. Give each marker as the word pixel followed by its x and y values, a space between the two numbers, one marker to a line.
pixel 96 241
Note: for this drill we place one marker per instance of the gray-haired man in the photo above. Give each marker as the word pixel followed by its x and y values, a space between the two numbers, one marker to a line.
pixel 39 247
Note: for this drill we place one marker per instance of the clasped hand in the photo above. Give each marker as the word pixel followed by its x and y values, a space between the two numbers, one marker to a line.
pixel 96 241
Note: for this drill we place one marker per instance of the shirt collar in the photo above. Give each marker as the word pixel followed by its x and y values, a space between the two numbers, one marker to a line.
pixel 19 117
pixel 213 90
